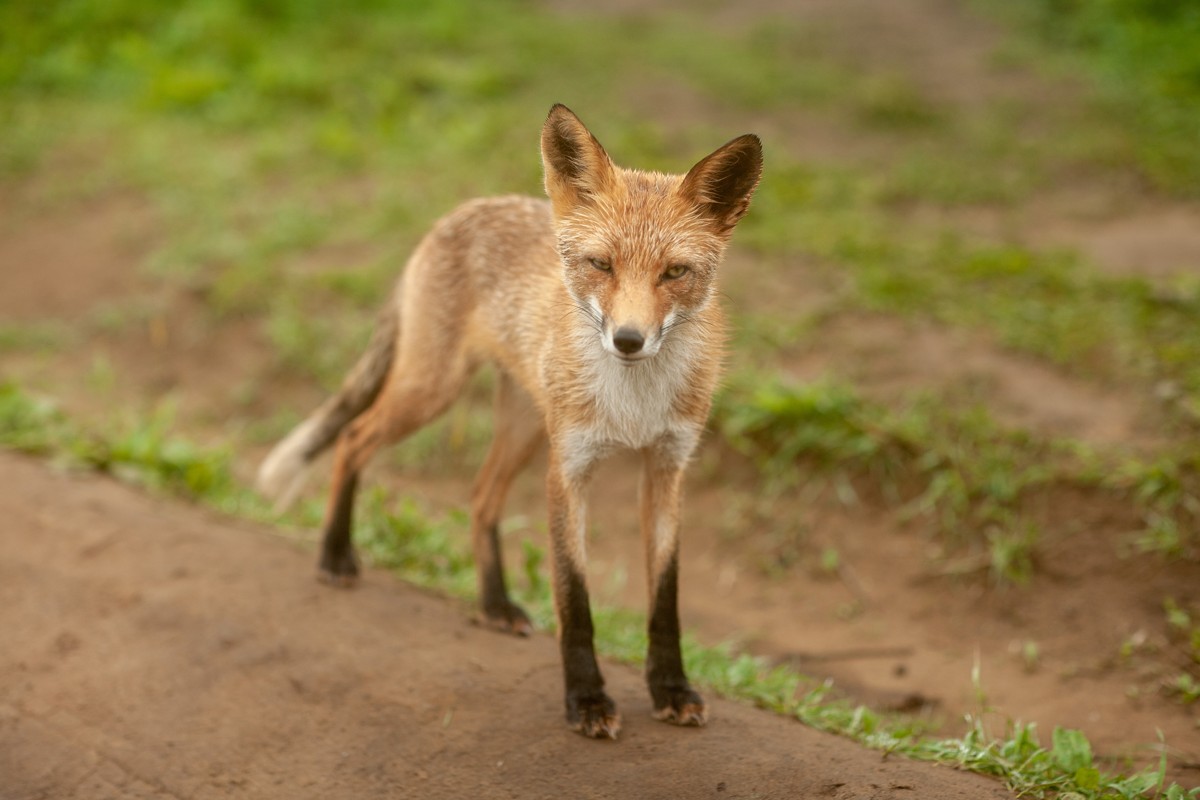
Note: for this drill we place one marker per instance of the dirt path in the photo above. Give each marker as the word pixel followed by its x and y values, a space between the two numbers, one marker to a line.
pixel 154 650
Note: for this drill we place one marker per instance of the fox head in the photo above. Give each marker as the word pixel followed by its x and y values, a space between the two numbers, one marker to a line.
pixel 640 250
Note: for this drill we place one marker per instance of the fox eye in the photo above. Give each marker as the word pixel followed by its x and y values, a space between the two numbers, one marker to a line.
pixel 600 264
pixel 676 271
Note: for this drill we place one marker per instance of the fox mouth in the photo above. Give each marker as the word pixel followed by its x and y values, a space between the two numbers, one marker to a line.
pixel 630 360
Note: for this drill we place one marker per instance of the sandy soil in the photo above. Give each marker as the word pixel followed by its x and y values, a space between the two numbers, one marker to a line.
pixel 156 651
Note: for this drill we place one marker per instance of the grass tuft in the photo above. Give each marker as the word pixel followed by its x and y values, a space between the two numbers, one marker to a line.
pixel 971 479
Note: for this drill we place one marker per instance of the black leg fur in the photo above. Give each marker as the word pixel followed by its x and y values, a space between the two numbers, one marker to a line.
pixel 589 710
pixel 674 699
pixel 498 610
pixel 339 564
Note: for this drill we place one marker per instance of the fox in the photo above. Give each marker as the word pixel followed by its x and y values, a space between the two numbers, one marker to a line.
pixel 598 309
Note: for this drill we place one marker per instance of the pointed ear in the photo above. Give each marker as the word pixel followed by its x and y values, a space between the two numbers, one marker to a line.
pixel 576 166
pixel 722 183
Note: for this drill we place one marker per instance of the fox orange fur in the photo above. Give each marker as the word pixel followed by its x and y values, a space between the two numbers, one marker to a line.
pixel 599 311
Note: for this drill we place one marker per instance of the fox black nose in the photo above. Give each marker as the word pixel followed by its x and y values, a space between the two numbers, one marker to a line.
pixel 628 340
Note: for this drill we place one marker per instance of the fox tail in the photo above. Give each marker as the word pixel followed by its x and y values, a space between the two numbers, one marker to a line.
pixel 282 474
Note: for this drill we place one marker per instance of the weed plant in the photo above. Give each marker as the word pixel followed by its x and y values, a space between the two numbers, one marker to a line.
pixel 959 470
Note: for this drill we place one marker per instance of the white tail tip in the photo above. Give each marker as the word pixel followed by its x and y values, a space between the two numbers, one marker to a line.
pixel 285 469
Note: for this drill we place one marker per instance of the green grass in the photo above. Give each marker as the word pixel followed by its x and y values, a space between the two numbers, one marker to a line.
pixel 970 478
pixel 35 336
pixel 1183 629
pixel 399 85
pixel 1048 303
pixel 1140 59
pixel 434 552
pixel 145 452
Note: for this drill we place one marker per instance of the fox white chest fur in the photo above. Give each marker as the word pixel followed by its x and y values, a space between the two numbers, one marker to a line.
pixel 634 406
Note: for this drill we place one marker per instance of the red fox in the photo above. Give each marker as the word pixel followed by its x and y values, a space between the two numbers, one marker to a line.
pixel 599 312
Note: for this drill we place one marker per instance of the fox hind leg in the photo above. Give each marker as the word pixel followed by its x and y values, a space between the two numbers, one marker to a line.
pixel 518 432
pixel 339 564
pixel 403 406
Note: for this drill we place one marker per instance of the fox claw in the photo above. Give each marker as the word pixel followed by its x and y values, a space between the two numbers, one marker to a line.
pixel 339 571
pixel 595 717
pixel 510 618
pixel 684 707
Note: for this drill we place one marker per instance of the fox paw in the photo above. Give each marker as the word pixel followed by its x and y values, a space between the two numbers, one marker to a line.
pixel 682 707
pixel 507 618
pixel 339 570
pixel 594 715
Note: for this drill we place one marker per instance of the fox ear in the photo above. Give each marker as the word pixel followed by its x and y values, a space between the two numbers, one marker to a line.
pixel 722 183
pixel 576 166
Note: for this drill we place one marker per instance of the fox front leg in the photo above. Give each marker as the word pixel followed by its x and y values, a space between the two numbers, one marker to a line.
pixel 589 709
pixel 662 479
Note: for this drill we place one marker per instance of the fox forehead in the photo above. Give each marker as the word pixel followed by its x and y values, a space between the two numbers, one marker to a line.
pixel 641 221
